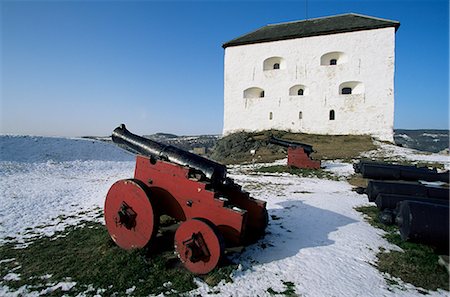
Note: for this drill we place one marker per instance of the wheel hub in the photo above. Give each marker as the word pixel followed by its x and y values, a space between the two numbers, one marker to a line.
pixel 127 216
pixel 196 249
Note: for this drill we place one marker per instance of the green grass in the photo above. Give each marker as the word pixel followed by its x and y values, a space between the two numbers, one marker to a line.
pixel 317 173
pixel 356 180
pixel 86 255
pixel 371 216
pixel 417 264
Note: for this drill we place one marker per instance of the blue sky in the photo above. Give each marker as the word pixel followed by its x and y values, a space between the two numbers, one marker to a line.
pixel 73 68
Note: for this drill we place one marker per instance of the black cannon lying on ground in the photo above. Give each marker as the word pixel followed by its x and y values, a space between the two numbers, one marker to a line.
pixel 425 223
pixel 375 187
pixel 388 204
pixel 390 201
pixel 420 211
pixel 385 171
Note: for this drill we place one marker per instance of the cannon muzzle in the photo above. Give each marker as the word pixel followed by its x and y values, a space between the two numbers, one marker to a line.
pixel 214 171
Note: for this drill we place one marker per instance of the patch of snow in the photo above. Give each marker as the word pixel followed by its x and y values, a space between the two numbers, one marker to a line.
pixel 434 135
pixel 5 291
pixel 433 184
pixel 130 290
pixel 403 136
pixel 63 286
pixel 12 277
pixel 401 153
pixel 253 166
pixel 338 168
pixel 7 260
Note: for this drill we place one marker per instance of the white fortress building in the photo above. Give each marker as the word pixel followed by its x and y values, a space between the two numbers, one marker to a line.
pixel 331 75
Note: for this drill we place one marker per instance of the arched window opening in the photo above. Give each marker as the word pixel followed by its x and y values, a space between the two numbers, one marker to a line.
pixel 333 58
pixel 351 87
pixel 332 115
pixel 254 93
pixel 274 63
pixel 298 90
pixel 270 115
pixel 346 91
pixel 300 115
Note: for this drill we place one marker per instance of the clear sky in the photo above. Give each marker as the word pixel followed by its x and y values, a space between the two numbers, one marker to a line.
pixel 73 68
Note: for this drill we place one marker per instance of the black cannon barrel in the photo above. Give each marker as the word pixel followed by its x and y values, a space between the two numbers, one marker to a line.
pixel 400 172
pixel 425 223
pixel 376 187
pixel 214 171
pixel 289 143
pixel 390 201
pixel 359 167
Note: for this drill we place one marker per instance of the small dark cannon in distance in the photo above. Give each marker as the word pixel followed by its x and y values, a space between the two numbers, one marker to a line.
pixel 213 210
pixel 386 171
pixel 299 154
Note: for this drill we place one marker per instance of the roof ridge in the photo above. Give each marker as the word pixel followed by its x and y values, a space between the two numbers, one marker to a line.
pixel 332 16
pixel 305 20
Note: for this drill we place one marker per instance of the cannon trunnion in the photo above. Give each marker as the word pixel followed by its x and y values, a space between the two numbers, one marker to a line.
pixel 214 212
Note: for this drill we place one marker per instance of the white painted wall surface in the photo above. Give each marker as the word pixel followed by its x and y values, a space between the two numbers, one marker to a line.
pixel 368 58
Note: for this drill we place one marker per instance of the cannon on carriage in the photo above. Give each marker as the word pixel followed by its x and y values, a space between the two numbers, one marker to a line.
pixel 213 211
pixel 299 154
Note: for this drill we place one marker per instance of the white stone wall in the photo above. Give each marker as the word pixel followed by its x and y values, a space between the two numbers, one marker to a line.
pixel 363 56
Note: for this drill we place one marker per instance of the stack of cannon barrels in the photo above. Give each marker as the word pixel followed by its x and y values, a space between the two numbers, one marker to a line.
pixel 416 199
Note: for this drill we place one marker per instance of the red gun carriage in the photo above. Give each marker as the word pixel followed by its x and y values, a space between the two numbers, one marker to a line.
pixel 214 212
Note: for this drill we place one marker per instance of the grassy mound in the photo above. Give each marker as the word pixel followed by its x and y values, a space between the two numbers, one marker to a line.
pixel 235 148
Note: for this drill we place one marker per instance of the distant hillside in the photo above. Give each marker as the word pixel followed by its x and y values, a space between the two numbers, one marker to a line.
pixel 202 142
pixel 424 140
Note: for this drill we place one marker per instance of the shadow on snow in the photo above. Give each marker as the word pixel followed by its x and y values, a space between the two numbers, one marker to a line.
pixel 294 227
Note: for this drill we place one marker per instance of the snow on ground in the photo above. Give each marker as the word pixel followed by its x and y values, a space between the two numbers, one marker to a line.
pixel 316 240
pixel 47 183
pixel 401 153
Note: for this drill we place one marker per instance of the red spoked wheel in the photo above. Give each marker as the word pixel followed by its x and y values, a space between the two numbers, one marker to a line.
pixel 129 214
pixel 199 245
